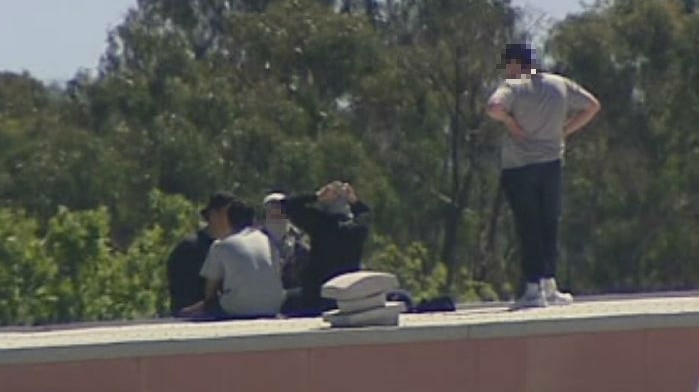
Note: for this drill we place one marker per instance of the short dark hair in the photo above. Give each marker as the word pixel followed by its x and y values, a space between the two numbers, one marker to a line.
pixel 217 200
pixel 240 214
pixel 520 52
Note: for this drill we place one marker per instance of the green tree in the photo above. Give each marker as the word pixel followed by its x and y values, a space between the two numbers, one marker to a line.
pixel 27 272
pixel 630 180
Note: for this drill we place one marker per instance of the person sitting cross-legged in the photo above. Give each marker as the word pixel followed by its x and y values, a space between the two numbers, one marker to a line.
pixel 185 286
pixel 242 276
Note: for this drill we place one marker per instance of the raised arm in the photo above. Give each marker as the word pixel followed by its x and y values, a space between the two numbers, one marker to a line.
pixel 305 217
pixel 359 209
pixel 300 212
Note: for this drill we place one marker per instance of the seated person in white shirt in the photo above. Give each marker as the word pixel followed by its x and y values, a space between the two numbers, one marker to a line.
pixel 242 276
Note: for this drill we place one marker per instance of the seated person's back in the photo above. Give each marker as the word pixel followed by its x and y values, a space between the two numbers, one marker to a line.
pixel 184 264
pixel 249 274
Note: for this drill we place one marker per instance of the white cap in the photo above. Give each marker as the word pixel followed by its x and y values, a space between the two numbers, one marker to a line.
pixel 273 197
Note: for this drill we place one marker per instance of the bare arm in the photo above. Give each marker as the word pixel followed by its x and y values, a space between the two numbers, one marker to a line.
pixel 199 308
pixel 212 271
pixel 211 290
pixel 580 119
pixel 497 112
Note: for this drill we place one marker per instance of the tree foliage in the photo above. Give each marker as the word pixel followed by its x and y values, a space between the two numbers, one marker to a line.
pixel 100 178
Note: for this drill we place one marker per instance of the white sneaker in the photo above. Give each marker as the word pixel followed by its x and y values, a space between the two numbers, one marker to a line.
pixel 533 297
pixel 553 295
pixel 557 298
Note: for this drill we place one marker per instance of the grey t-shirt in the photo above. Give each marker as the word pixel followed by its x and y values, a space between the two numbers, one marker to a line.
pixel 251 277
pixel 540 104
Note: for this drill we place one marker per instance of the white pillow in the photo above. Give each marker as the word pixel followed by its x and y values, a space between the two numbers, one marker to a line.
pixel 362 284
pixel 386 316
pixel 361 304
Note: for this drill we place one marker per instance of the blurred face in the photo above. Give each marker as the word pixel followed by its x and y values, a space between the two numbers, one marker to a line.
pixel 513 69
pixel 273 212
pixel 276 223
pixel 217 215
pixel 217 221
pixel 331 193
pixel 331 196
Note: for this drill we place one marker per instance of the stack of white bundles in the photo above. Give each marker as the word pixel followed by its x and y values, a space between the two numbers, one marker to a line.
pixel 361 300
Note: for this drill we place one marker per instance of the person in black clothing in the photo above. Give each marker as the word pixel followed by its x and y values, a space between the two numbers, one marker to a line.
pixel 185 285
pixel 338 228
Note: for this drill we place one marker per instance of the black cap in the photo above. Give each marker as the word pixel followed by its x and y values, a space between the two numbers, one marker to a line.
pixel 216 201
pixel 522 53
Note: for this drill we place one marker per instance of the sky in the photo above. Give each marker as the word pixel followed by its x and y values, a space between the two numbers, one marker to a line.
pixel 556 9
pixel 54 39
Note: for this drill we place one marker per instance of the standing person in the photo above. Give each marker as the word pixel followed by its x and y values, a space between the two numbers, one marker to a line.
pixel 338 227
pixel 242 276
pixel 540 111
pixel 290 244
pixel 184 283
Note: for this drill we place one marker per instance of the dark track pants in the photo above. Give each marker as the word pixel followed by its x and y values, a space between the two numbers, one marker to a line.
pixel 534 194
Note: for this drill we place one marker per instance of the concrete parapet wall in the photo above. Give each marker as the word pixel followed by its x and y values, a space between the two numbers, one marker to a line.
pixel 635 346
